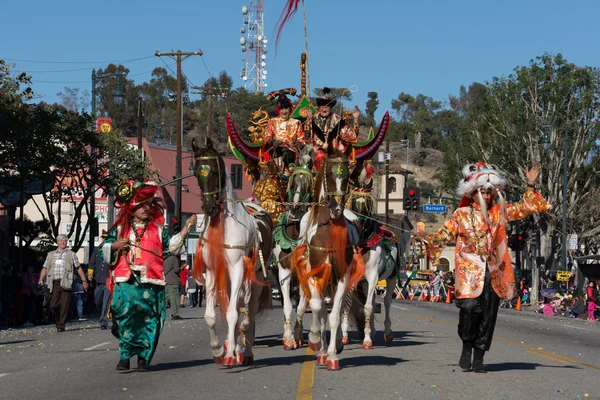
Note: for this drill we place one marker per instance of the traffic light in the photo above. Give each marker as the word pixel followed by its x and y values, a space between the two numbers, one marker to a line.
pixel 175 225
pixel 412 198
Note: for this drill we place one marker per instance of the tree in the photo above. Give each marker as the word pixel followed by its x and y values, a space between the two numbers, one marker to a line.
pixel 508 119
pixel 371 107
pixel 72 100
pixel 420 112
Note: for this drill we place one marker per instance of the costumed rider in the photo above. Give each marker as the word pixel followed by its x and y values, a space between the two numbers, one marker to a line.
pixel 283 137
pixel 483 267
pixel 134 249
pixel 329 128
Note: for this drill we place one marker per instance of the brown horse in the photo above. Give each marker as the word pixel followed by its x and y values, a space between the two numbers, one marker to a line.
pixel 326 261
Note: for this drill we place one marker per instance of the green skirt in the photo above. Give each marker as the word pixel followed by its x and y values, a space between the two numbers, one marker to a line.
pixel 139 311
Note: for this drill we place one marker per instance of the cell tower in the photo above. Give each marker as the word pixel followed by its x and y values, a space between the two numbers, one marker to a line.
pixel 254 47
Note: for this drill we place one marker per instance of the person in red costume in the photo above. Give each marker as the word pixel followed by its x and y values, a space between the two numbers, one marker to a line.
pixel 134 249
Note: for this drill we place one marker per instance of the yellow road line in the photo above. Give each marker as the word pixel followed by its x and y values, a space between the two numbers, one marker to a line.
pixel 530 349
pixel 307 376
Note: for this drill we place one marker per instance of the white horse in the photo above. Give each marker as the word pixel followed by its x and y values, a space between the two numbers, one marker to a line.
pixel 326 259
pixel 234 250
pixel 380 255
pixel 286 237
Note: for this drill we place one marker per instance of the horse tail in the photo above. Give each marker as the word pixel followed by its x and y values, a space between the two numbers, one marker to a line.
pixel 298 264
pixel 358 271
pixel 249 272
pixel 356 311
pixel 199 266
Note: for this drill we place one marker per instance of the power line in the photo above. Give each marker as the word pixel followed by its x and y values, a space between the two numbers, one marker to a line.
pixel 78 62
pixel 128 76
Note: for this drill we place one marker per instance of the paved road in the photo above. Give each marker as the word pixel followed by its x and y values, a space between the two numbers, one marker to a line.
pixel 532 357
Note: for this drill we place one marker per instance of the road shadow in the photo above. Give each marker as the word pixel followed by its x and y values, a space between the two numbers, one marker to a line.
pixel 272 362
pixel 181 364
pixel 18 341
pixel 523 366
pixel 399 339
pixel 362 361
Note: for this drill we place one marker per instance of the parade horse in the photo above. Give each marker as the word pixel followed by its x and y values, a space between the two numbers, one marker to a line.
pixel 326 260
pixel 233 249
pixel 379 250
pixel 286 237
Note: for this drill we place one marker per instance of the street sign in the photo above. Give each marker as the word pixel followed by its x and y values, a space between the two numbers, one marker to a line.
pixel 572 241
pixel 563 276
pixel 434 208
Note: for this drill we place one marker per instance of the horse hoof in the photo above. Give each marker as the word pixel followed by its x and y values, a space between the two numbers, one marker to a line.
pixel 345 340
pixel 322 360
pixel 367 345
pixel 314 346
pixel 300 342
pixel 333 365
pixel 388 338
pixel 248 361
pixel 229 362
pixel 218 360
pixel 240 358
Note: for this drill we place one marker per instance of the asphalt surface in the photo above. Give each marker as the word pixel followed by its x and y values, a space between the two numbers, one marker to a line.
pixel 532 357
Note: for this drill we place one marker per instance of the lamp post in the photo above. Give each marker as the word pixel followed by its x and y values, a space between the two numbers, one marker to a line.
pixel 118 98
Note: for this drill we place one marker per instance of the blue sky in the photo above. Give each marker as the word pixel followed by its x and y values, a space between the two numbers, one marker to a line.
pixel 387 46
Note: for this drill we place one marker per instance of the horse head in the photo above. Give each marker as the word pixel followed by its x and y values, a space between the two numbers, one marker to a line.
pixel 299 190
pixel 211 174
pixel 335 181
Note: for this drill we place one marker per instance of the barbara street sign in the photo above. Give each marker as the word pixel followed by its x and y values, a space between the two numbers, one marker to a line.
pixel 434 208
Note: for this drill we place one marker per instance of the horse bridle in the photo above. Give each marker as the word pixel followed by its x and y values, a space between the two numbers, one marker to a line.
pixel 215 193
pixel 337 193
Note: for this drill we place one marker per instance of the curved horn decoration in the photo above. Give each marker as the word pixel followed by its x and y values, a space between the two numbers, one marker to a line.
pixel 368 150
pixel 252 153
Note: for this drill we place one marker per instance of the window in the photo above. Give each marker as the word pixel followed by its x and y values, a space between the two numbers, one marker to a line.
pixel 444 265
pixel 236 176
pixel 391 185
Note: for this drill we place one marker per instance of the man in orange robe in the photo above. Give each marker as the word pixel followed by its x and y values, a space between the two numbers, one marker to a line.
pixel 483 268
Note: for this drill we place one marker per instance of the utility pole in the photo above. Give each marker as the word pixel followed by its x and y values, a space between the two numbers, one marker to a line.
pixel 179 57
pixel 139 126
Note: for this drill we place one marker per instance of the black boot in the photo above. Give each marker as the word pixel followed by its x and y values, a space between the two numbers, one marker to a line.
pixel 143 365
pixel 478 361
pixel 123 365
pixel 465 357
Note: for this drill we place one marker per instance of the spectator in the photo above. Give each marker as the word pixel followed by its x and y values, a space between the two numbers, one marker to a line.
pixel 183 275
pixel 192 290
pixel 578 308
pixel 59 267
pixel 100 271
pixel 200 291
pixel 173 282
pixel 76 307
pixel 28 293
pixel 592 292
pixel 437 279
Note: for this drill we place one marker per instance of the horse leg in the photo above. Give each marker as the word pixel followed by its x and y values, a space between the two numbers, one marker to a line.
pixel 387 303
pixel 210 318
pixel 322 356
pixel 371 275
pixel 236 274
pixel 334 322
pixel 248 355
pixel 316 303
pixel 243 327
pixel 345 326
pixel 298 327
pixel 285 277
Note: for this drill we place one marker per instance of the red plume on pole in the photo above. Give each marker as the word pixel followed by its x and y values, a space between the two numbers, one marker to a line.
pixel 291 7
